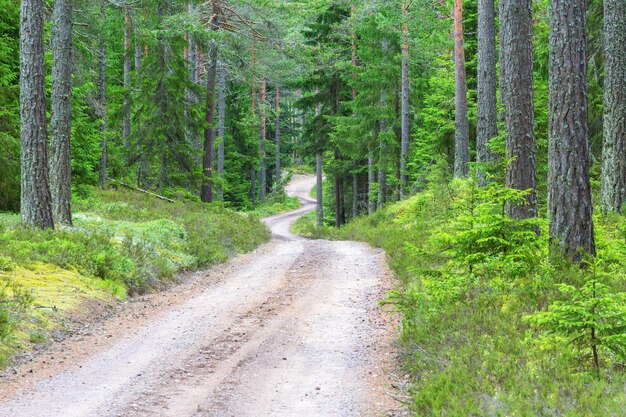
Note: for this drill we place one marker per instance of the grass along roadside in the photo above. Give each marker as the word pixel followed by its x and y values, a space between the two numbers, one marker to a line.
pixel 278 201
pixel 491 324
pixel 122 243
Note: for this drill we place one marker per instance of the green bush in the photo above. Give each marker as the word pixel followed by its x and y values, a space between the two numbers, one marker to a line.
pixel 469 278
pixel 14 301
pixel 134 239
pixel 591 318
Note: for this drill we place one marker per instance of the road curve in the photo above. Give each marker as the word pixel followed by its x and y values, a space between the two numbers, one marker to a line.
pixel 293 330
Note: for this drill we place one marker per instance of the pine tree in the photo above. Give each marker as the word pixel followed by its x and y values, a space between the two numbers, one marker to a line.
pixel 36 202
pixel 613 158
pixel 262 137
pixel 61 112
pixel 516 58
pixel 404 152
pixel 221 133
pixel 277 134
pixel 486 119
pixel 569 202
pixel 461 142
pixel 102 98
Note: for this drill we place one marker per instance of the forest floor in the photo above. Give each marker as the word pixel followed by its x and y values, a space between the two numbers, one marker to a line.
pixel 291 329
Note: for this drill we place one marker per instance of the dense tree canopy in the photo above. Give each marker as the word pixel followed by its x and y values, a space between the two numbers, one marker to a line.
pixel 513 110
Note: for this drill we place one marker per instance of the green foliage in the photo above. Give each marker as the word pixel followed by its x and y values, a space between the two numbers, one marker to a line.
pixel 481 233
pixel 276 205
pixel 121 242
pixel 14 301
pixel 9 107
pixel 136 240
pixel 469 278
pixel 163 238
pixel 592 318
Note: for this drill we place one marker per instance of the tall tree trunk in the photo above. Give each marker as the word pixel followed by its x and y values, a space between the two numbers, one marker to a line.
pixel 262 137
pixel 127 69
pixel 569 196
pixel 253 186
pixel 354 57
pixel 209 133
pixel 517 60
pixel 355 192
pixel 404 152
pixel 193 137
pixel 340 213
pixel 486 118
pixel 143 164
pixel 102 50
pixel 355 176
pixel 371 181
pixel 61 112
pixel 382 173
pixel 338 197
pixel 253 89
pixel 461 134
pixel 36 201
pixel 137 55
pixel 319 166
pixel 319 212
pixel 277 131
pixel 613 158
pixel 502 86
pixel 253 111
pixel 221 132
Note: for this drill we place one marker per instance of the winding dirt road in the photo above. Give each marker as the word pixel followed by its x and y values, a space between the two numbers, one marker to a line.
pixel 293 330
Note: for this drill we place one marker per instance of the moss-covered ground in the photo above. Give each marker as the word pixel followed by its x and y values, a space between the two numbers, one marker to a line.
pixel 122 243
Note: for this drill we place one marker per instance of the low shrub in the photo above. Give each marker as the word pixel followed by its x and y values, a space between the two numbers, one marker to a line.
pixel 121 243
pixel 491 324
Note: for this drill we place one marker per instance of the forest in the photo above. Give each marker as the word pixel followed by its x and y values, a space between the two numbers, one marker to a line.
pixel 480 143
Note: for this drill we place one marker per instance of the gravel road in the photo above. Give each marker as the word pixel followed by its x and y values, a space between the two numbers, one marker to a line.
pixel 293 329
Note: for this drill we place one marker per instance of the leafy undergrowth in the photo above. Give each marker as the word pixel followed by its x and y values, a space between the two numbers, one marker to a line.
pixel 276 205
pixel 122 243
pixel 278 201
pixel 492 325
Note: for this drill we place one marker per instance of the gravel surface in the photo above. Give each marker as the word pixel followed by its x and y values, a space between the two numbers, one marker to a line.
pixel 293 329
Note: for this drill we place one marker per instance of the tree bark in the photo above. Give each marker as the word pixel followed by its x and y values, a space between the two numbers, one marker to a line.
pixel 262 136
pixel 405 124
pixel 253 88
pixel 517 60
pixel 319 211
pixel 487 113
pixel 355 193
pixel 221 136
pixel 569 196
pixel 102 50
pixel 277 131
pixel 382 173
pixel 319 166
pixel 253 186
pixel 613 158
pixel 194 138
pixel 36 201
pixel 61 112
pixel 206 194
pixel 127 69
pixel 339 213
pixel 137 55
pixel 253 111
pixel 371 180
pixel 461 135
pixel 501 85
